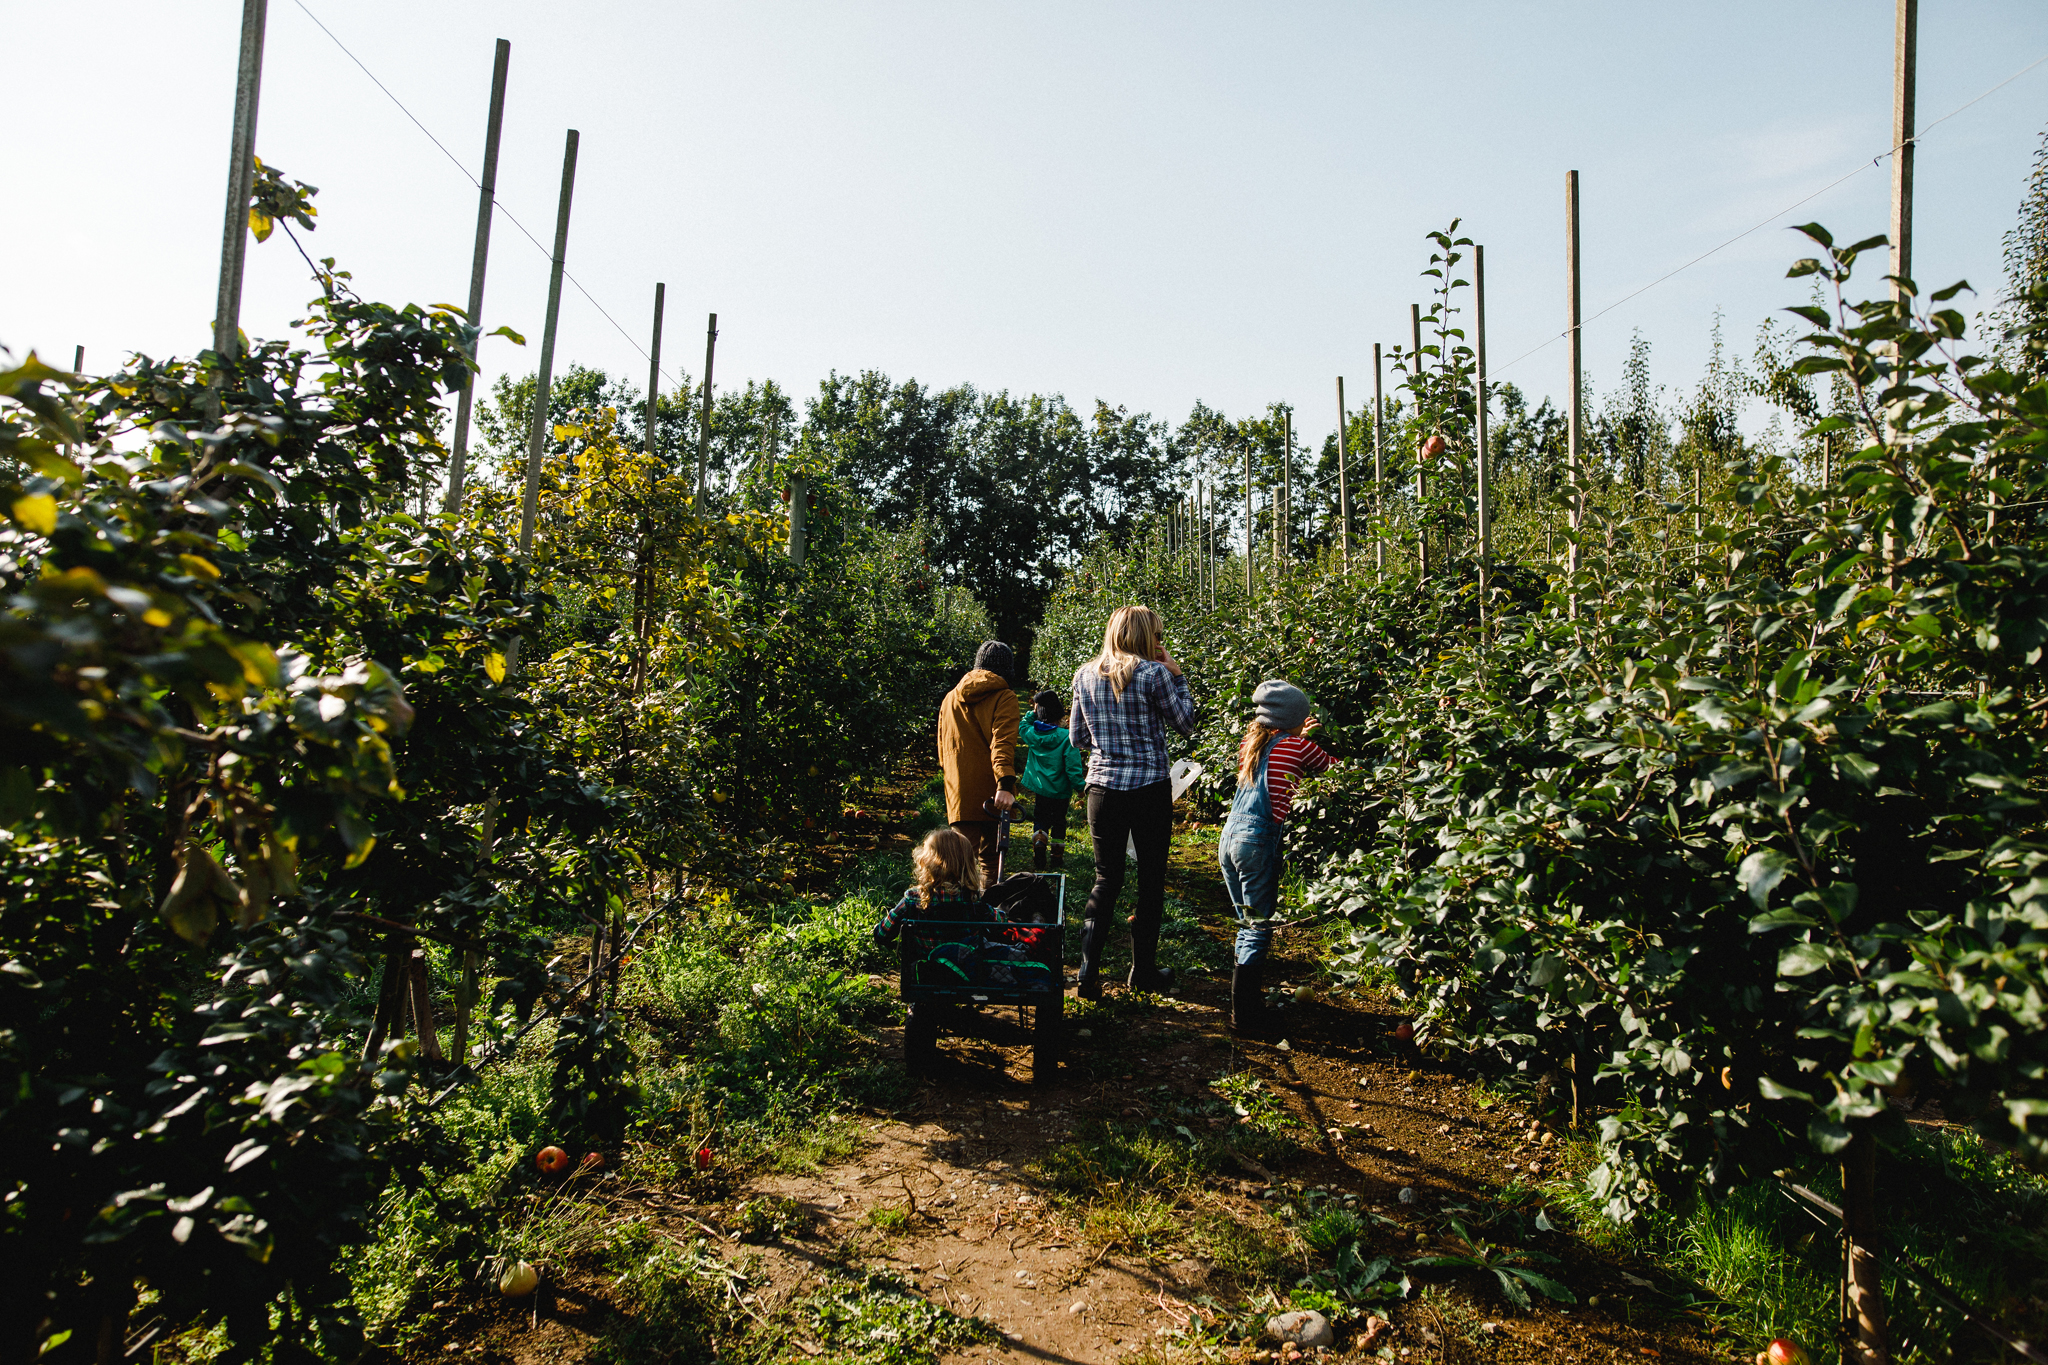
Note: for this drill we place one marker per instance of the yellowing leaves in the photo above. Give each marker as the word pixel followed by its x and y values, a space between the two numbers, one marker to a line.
pixel 36 512
pixel 494 666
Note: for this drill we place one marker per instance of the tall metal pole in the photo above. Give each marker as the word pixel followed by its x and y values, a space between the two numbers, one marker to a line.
pixel 537 437
pixel 234 239
pixel 704 422
pixel 1574 342
pixel 458 468
pixel 78 361
pixel 1343 477
pixel 1480 454
pixel 1379 467
pixel 654 371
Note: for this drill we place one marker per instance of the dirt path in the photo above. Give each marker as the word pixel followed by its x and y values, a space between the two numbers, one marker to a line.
pixel 968 1193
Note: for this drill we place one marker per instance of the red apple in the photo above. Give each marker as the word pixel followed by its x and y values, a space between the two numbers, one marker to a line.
pixel 1785 1351
pixel 1404 1031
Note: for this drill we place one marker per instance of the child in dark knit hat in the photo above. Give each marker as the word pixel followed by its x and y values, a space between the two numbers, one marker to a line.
pixel 1274 756
pixel 1054 770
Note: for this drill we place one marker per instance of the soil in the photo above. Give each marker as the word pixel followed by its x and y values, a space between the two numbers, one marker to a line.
pixel 980 1236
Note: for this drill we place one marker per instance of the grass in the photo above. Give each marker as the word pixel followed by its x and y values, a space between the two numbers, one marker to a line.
pixel 868 1320
pixel 750 1032
pixel 889 1219
pixel 1971 1214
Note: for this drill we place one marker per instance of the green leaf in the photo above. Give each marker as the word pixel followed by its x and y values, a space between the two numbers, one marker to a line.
pixel 1785 918
pixel 1804 959
pixel 508 334
pixel 1830 1137
pixel 1771 1090
pixel 1551 1288
pixel 1760 872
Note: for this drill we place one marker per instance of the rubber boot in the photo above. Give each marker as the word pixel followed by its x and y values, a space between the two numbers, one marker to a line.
pixel 1146 973
pixel 1249 1017
pixel 1094 933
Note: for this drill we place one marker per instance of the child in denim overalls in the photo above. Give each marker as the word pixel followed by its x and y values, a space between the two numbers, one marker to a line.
pixel 1272 758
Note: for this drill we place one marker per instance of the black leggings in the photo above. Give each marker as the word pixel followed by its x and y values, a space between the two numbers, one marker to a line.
pixel 1143 815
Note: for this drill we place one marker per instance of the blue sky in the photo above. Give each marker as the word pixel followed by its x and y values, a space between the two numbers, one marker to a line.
pixel 1146 203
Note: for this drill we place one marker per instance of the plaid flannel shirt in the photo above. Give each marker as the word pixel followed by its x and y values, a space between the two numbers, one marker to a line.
pixel 1126 740
pixel 957 905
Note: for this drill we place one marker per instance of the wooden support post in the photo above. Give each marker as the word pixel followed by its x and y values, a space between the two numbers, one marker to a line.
pixel 1421 475
pixel 234 242
pixel 494 126
pixel 654 371
pixel 1699 513
pixel 799 494
pixel 537 437
pixel 1247 524
pixel 704 421
pixel 1864 1326
pixel 1480 450
pixel 1285 553
pixel 1209 543
pixel 78 361
pixel 1574 421
pixel 1343 478
pixel 1379 466
pixel 1905 63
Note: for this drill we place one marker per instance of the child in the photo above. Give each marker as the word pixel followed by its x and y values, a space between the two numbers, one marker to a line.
pixel 1272 759
pixel 1053 771
pixel 949 885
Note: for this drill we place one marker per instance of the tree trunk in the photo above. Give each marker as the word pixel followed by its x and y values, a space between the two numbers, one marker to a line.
pixel 388 995
pixel 420 995
pixel 465 1004
pixel 1864 1323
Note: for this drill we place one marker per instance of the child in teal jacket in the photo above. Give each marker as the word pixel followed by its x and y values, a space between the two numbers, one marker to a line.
pixel 1053 771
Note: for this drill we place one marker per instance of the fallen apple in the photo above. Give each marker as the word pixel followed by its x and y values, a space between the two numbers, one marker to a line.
pixel 518 1280
pixel 1404 1030
pixel 552 1160
pixel 704 1158
pixel 1785 1351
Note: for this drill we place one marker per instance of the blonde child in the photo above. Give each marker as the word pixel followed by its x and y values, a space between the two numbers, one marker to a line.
pixel 949 884
pixel 1274 756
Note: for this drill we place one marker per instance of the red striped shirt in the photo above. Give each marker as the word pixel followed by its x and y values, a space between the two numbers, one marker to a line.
pixel 1292 759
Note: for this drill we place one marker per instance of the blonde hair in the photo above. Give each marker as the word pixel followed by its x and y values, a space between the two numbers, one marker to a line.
pixel 946 861
pixel 1257 736
pixel 1130 638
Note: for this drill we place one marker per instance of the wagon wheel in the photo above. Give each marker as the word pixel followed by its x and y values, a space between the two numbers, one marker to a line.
pixel 920 1042
pixel 1045 1040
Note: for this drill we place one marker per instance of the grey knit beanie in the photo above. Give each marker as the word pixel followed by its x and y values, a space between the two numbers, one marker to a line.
pixel 995 656
pixel 1281 705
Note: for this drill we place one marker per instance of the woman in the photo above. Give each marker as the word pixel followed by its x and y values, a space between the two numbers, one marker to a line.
pixel 1123 701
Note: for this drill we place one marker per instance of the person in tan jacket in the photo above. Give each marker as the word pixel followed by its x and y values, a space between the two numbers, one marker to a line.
pixel 978 748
